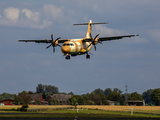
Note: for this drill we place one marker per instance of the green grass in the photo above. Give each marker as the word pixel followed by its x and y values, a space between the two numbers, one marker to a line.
pixel 80 114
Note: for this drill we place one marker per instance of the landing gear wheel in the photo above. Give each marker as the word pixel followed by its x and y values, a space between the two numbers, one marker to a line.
pixel 67 57
pixel 87 56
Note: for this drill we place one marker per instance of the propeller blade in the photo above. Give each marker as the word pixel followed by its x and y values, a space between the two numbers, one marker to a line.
pixel 57 39
pixel 95 47
pixel 48 46
pixel 47 40
pixel 52 36
pixel 100 42
pixel 89 45
pixel 53 49
pixel 59 45
pixel 96 36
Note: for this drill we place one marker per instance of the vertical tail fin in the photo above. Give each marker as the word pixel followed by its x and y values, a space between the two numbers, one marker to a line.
pixel 89 31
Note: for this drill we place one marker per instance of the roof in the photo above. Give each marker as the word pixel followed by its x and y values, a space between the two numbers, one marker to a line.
pixel 135 100
pixel 7 100
pixel 35 96
pixel 60 97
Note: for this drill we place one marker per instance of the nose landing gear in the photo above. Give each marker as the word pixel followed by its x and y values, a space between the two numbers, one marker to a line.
pixel 87 56
pixel 68 57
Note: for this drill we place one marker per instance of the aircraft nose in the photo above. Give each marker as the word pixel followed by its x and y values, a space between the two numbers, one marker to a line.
pixel 65 49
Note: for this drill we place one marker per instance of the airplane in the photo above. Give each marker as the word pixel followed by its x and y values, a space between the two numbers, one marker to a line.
pixel 74 47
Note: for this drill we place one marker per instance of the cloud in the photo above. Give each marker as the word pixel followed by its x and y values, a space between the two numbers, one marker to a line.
pixel 12 13
pixel 107 31
pixel 52 11
pixel 31 15
pixel 29 18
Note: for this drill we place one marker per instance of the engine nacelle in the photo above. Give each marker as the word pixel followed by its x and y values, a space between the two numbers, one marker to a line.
pixel 96 41
pixel 56 43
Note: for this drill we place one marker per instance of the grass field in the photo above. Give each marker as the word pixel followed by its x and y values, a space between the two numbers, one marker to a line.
pixel 84 111
pixel 81 114
pixel 141 109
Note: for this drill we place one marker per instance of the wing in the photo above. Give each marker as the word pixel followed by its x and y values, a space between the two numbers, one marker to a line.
pixel 115 37
pixel 44 41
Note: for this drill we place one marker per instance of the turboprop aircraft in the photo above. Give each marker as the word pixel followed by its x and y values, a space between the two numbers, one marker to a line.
pixel 74 47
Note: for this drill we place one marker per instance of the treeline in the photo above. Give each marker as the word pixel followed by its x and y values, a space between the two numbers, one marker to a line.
pixel 4 96
pixel 97 97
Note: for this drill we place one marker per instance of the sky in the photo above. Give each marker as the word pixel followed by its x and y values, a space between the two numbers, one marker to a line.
pixel 135 61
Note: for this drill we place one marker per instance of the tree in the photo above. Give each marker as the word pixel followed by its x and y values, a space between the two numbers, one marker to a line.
pixel 52 102
pixel 117 90
pixel 48 89
pixel 44 95
pixel 25 97
pixel 18 100
pixel 73 101
pixel 135 96
pixel 114 96
pixel 38 102
pixel 95 98
pixel 85 96
pixel 107 91
pixel 40 88
pixel 147 96
pixel 89 102
pixel 99 91
pixel 156 96
pixel 71 93
pixel 30 92
pixel 6 96
pixel 76 98
pixel 103 99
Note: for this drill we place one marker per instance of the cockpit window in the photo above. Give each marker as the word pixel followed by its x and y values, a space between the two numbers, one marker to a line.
pixel 68 44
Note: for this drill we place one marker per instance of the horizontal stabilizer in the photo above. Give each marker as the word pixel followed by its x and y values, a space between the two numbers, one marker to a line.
pixel 91 23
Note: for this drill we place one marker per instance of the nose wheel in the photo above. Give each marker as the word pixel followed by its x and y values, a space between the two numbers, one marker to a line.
pixel 87 56
pixel 68 57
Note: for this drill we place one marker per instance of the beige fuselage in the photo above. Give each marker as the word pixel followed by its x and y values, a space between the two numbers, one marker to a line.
pixel 75 47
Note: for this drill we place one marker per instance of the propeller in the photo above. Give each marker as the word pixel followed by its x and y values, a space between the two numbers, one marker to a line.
pixel 53 43
pixel 93 41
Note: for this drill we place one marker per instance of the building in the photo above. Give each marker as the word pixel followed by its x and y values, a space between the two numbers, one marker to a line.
pixel 62 98
pixel 136 102
pixel 35 97
pixel 113 102
pixel 7 101
pixel 1 104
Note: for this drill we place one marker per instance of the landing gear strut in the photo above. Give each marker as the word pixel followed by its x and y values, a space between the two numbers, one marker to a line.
pixel 67 57
pixel 87 56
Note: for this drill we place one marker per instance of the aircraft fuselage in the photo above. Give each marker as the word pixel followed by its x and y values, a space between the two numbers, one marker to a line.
pixel 75 47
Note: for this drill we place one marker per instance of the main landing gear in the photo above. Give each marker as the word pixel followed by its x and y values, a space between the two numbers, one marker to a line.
pixel 68 57
pixel 87 56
